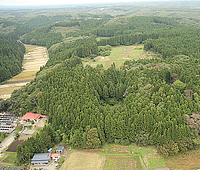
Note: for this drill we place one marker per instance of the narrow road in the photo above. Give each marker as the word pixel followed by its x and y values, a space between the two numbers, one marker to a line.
pixel 7 141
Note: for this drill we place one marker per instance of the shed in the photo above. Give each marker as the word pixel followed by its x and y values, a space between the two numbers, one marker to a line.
pixel 60 149
pixel 55 156
pixel 41 158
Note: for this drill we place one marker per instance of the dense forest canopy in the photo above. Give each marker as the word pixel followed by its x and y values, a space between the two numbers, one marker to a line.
pixel 144 101
pixel 11 57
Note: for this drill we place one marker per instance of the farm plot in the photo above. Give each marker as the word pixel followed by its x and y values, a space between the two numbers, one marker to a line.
pixel 187 160
pixel 13 146
pixel 118 149
pixel 123 162
pixel 82 160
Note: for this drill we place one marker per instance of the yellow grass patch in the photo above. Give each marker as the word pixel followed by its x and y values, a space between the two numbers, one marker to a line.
pixel 82 160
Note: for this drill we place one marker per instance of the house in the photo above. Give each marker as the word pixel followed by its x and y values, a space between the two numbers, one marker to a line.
pixel 41 158
pixel 55 156
pixel 32 116
pixel 60 149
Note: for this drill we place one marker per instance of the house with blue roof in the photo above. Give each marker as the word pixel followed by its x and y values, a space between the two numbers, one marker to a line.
pixel 60 149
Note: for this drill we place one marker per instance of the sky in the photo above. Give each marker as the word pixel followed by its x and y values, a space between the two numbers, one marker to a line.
pixel 59 2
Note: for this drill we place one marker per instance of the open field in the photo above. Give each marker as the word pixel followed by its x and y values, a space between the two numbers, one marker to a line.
pixel 122 162
pixel 13 146
pixel 33 60
pixel 115 157
pixel 119 55
pixel 8 158
pixel 189 160
pixel 83 160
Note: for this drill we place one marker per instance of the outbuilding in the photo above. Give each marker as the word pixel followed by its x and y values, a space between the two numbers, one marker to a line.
pixel 55 156
pixel 41 158
pixel 60 149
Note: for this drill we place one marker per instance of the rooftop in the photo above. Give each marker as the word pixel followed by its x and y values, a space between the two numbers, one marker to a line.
pixel 41 157
pixel 32 116
pixel 60 148
pixel 55 155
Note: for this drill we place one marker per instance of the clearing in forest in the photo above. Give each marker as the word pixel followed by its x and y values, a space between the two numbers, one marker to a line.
pixel 82 160
pixel 119 55
pixel 35 58
pixel 115 157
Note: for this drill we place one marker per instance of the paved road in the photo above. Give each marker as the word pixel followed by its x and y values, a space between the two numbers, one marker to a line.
pixel 7 141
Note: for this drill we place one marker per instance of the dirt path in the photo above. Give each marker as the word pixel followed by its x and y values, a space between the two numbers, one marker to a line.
pixel 33 61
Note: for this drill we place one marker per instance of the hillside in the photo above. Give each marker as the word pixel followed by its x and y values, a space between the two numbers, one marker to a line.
pixel 142 99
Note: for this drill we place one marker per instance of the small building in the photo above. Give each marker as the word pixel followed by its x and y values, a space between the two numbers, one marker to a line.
pixel 32 116
pixel 41 158
pixel 50 150
pixel 60 149
pixel 55 156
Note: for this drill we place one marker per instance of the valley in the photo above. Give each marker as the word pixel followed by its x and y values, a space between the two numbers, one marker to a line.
pixel 35 58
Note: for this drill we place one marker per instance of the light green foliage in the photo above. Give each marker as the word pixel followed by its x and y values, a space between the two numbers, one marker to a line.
pixel 179 85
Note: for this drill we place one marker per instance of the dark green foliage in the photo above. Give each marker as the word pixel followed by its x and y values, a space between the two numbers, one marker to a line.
pixel 11 56
pixel 143 139
pixel 140 102
pixel 173 148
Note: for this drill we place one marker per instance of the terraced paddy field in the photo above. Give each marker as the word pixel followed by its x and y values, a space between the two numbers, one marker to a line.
pixel 35 58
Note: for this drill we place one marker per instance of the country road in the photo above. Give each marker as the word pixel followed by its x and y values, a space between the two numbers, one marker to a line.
pixel 7 141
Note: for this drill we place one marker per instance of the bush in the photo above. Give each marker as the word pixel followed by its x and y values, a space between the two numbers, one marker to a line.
pixel 125 142
pixel 110 140
pixel 117 141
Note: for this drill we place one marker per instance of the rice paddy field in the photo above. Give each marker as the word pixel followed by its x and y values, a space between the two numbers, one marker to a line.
pixel 34 58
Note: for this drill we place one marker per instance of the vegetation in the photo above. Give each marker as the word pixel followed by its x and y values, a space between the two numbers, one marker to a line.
pixel 11 56
pixel 142 101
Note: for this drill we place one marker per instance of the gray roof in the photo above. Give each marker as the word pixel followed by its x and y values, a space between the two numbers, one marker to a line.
pixel 59 148
pixel 39 162
pixel 41 157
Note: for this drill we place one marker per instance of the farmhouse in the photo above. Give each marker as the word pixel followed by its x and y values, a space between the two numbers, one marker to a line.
pixel 60 149
pixel 41 158
pixel 55 156
pixel 32 116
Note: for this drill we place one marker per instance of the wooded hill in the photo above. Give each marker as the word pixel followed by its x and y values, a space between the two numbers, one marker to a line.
pixel 11 57
pixel 144 101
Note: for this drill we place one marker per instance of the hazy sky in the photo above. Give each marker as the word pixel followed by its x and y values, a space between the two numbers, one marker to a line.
pixel 58 2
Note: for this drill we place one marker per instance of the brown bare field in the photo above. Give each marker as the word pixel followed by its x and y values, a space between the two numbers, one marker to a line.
pixel 118 149
pixel 13 146
pixel 189 160
pixel 82 160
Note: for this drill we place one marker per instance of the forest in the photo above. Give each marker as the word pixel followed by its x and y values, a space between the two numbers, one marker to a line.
pixel 145 101
pixel 11 57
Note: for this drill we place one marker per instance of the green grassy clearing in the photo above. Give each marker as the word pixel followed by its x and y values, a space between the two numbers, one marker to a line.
pixel 119 55
pixel 8 158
